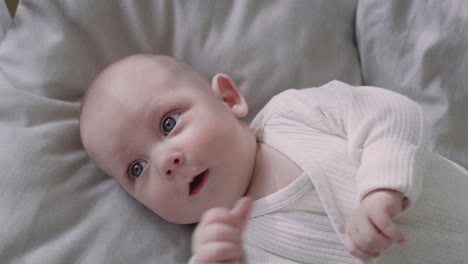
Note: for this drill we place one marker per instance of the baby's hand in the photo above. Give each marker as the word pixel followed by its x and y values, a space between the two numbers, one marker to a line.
pixel 370 228
pixel 218 236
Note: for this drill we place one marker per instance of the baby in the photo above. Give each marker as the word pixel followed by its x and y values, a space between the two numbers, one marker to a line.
pixel 327 171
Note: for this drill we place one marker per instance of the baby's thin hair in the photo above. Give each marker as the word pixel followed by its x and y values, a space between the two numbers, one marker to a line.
pixel 172 65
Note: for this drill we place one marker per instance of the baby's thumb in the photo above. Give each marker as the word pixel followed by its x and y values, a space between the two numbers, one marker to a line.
pixel 241 210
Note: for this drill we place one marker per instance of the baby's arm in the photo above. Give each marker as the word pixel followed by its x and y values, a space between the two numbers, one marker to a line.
pixel 383 130
pixel 370 228
pixel 384 134
pixel 218 236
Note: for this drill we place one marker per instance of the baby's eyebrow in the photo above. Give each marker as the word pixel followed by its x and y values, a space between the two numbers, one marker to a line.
pixel 154 108
pixel 122 165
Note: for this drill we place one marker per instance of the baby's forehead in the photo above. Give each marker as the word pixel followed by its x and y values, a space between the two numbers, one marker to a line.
pixel 136 80
pixel 141 65
pixel 156 71
pixel 104 133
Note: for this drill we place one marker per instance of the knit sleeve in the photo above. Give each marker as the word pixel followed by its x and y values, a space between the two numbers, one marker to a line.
pixel 384 133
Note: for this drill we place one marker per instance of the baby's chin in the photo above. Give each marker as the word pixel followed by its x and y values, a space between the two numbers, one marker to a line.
pixel 182 216
pixel 190 216
pixel 182 220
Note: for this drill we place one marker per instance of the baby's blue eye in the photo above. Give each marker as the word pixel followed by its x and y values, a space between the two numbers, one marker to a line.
pixel 169 123
pixel 137 168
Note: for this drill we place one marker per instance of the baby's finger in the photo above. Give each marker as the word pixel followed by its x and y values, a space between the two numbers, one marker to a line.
pixel 354 250
pixel 219 232
pixel 219 252
pixel 387 227
pixel 366 237
pixel 216 215
pixel 241 211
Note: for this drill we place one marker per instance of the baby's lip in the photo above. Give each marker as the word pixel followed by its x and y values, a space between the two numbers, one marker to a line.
pixel 197 182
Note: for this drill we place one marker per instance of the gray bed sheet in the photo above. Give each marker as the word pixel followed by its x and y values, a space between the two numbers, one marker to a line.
pixel 55 205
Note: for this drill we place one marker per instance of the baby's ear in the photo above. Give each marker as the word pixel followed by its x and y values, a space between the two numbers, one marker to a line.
pixel 226 90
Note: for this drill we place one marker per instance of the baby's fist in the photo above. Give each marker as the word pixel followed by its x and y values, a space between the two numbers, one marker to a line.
pixel 218 236
pixel 370 229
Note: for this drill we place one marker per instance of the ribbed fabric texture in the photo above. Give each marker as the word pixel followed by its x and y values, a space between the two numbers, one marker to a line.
pixel 350 141
pixel 291 226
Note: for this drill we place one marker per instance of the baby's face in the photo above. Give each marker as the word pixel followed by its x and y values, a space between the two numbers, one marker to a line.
pixel 170 142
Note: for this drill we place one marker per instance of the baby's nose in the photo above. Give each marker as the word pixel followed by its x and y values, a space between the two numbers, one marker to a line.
pixel 172 163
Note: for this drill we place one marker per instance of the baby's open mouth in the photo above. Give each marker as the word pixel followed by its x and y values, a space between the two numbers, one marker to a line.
pixel 198 182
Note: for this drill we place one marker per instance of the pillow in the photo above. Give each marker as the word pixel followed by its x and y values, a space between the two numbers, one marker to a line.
pixel 420 48
pixel 55 205
pixel 5 19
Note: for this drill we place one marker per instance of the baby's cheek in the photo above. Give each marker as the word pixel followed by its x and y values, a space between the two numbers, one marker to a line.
pixel 152 196
pixel 164 207
pixel 209 140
